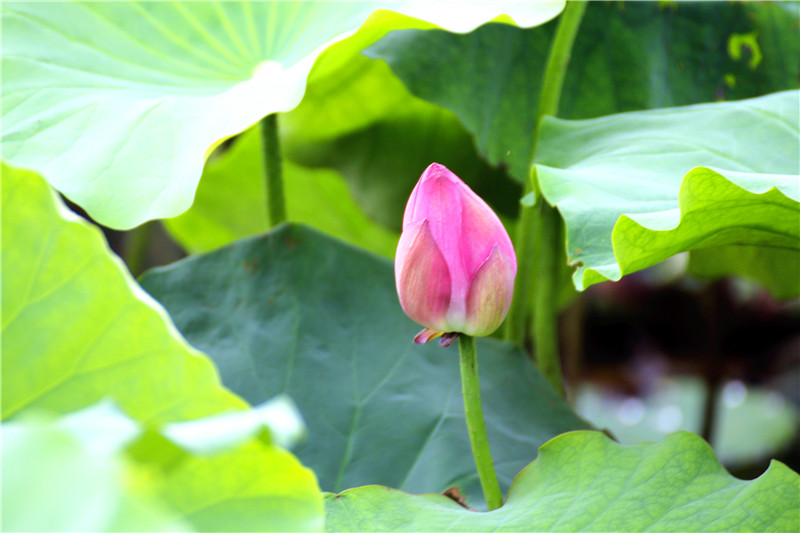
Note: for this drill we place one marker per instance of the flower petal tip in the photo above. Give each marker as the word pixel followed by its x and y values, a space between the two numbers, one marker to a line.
pixel 426 335
pixel 448 339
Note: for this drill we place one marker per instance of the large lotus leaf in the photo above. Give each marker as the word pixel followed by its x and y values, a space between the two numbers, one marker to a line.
pixel 79 467
pixel 76 327
pixel 627 56
pixel 383 162
pixel 230 203
pixel 229 474
pixel 296 312
pixel 252 487
pixel 117 103
pixel 636 188
pixel 583 481
pixel 346 92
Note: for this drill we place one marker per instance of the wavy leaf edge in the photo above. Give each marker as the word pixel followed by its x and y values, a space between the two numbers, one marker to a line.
pixel 595 275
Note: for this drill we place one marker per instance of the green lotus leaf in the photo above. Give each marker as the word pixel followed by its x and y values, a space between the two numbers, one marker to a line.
pixel 99 470
pixel 583 481
pixel 57 478
pixel 300 313
pixel 625 58
pixel 230 203
pixel 118 103
pixel 76 327
pixel 384 161
pixel 636 188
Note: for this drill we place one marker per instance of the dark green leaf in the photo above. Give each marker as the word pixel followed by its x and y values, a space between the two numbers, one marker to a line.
pixel 383 162
pixel 627 56
pixel 299 313
pixel 230 203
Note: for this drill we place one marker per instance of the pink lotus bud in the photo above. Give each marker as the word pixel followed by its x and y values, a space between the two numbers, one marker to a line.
pixel 455 264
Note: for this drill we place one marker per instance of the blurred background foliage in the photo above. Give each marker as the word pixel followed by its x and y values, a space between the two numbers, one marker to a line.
pixel 659 350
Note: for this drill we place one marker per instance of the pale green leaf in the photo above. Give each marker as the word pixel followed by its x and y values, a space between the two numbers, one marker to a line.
pixel 636 188
pixel 582 481
pixel 56 477
pixel 230 203
pixel 279 416
pixel 135 479
pixel 76 327
pixel 117 103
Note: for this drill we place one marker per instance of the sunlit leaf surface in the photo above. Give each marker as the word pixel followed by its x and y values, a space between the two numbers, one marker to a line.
pixel 636 188
pixel 230 203
pixel 583 481
pixel 99 470
pixel 76 327
pixel 57 478
pixel 117 103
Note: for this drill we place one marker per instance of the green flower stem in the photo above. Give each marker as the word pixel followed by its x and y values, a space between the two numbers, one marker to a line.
pixel 528 231
pixel 545 310
pixel 475 426
pixel 539 231
pixel 273 171
pixel 548 226
pixel 558 60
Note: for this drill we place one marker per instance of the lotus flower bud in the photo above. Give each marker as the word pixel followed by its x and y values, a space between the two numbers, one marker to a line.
pixel 455 264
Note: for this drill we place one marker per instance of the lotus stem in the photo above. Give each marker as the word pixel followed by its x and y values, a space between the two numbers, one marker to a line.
pixel 477 429
pixel 527 230
pixel 273 171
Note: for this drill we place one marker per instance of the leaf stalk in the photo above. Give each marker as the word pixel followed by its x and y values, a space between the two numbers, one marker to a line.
pixel 475 426
pixel 539 231
pixel 273 171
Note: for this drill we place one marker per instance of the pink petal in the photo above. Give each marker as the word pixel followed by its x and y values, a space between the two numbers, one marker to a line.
pixel 490 294
pixel 426 335
pixel 481 231
pixel 422 277
pixel 437 198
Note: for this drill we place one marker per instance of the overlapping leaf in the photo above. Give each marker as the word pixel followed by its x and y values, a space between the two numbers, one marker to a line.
pixel 230 203
pixel 297 312
pixel 626 57
pixel 76 327
pixel 57 480
pixel 637 188
pixel 582 481
pixel 99 470
pixel 117 103
pixel 383 162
